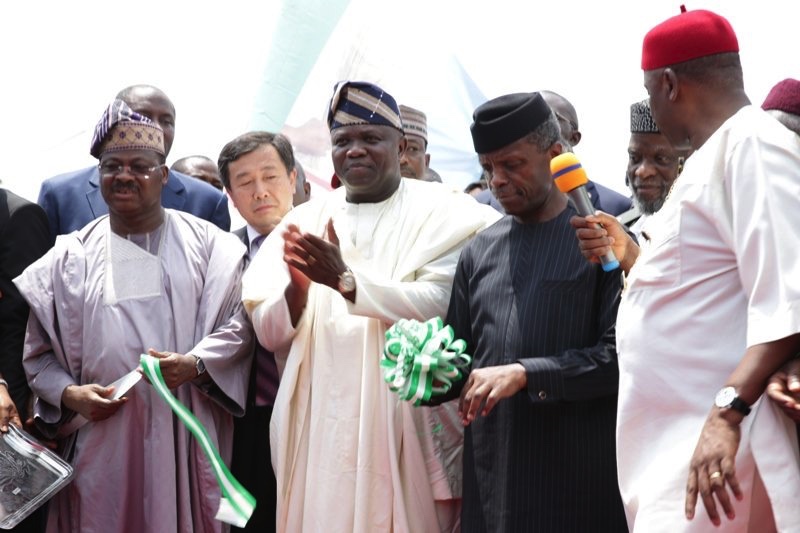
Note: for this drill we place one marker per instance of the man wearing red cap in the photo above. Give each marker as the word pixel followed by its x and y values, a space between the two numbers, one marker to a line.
pixel 783 103
pixel 711 306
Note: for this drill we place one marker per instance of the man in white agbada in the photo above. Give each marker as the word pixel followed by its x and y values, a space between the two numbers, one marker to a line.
pixel 141 277
pixel 323 289
pixel 712 305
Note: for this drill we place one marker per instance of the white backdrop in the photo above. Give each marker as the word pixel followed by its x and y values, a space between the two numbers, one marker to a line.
pixel 61 63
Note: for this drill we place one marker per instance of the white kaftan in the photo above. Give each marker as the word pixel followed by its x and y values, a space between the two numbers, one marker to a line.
pixel 719 274
pixel 348 454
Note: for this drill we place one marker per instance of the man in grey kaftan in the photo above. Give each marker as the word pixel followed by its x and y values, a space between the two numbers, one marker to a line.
pixel 143 277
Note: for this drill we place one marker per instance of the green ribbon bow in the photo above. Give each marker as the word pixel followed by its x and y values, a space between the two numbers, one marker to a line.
pixel 236 504
pixel 422 359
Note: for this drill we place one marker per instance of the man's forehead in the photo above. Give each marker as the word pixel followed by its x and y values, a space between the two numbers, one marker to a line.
pixel 643 140
pixel 415 139
pixel 561 107
pixel 360 129
pixel 129 155
pixel 517 148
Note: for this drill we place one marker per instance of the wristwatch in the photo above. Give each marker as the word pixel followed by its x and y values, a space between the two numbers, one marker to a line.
pixel 728 398
pixel 347 281
pixel 199 365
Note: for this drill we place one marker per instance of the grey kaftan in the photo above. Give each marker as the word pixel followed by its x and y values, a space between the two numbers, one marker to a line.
pixel 139 470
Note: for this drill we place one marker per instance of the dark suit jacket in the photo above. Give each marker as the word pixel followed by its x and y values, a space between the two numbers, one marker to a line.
pixel 24 238
pixel 242 234
pixel 73 200
pixel 602 198
pixel 608 200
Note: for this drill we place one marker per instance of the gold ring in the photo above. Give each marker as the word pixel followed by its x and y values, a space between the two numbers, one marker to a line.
pixel 715 475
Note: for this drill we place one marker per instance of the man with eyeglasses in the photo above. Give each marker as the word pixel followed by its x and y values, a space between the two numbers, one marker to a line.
pixel 74 199
pixel 141 279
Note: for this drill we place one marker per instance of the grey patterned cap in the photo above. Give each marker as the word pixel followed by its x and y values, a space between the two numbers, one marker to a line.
pixel 641 118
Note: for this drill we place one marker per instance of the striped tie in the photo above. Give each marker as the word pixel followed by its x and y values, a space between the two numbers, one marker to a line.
pixel 266 382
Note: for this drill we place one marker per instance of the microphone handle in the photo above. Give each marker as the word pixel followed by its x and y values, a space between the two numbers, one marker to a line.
pixel 580 197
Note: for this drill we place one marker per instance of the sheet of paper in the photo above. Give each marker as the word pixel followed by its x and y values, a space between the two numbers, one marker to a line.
pixel 125 383
pixel 121 387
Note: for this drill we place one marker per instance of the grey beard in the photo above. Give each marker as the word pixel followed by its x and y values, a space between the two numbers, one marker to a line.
pixel 649 208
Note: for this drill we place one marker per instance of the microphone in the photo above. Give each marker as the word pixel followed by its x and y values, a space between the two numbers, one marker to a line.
pixel 571 179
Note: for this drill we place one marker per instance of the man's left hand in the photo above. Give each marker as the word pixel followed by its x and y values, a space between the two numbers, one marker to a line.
pixel 176 368
pixel 320 260
pixel 712 469
pixel 784 389
pixel 489 385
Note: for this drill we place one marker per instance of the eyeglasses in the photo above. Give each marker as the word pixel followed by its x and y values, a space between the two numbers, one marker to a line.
pixel 137 170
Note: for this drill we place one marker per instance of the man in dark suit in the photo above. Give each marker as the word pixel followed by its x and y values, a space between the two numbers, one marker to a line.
pixel 72 200
pixel 24 237
pixel 259 174
pixel 539 401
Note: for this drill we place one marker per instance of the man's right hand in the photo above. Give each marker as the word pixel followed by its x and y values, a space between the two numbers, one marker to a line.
pixel 91 401
pixel 594 242
pixel 8 411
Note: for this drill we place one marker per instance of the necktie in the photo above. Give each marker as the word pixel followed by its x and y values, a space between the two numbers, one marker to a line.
pixel 255 244
pixel 266 382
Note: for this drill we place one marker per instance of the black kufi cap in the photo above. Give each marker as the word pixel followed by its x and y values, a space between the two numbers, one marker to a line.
pixel 506 119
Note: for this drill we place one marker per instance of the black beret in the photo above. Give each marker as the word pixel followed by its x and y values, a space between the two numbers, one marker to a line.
pixel 500 122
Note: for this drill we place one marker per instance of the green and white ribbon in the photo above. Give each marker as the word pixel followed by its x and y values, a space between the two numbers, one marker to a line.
pixel 236 504
pixel 422 359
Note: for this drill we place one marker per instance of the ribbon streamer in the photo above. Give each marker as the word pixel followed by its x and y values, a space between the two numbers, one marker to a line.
pixel 236 505
pixel 422 359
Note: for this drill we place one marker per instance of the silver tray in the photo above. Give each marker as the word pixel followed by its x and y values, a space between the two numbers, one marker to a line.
pixel 30 474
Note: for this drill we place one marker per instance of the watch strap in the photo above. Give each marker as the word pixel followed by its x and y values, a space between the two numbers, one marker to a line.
pixel 737 404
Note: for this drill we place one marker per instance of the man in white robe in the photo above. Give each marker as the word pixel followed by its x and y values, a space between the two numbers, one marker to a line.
pixel 349 455
pixel 142 277
pixel 712 306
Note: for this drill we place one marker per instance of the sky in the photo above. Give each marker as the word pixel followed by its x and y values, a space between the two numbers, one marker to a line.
pixel 212 59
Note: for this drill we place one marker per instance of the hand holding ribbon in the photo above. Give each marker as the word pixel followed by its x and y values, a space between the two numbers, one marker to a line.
pixel 236 505
pixel 421 360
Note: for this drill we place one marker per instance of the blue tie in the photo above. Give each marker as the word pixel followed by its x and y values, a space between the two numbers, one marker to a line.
pixel 255 244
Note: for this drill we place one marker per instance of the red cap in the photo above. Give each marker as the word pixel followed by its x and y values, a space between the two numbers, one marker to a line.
pixel 690 35
pixel 785 96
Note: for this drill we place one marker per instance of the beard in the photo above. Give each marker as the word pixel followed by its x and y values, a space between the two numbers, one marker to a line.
pixel 649 207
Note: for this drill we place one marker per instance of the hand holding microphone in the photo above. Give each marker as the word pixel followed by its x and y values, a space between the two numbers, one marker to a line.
pixel 571 179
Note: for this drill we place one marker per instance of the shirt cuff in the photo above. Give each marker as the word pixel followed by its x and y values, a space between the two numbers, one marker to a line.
pixel 545 381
